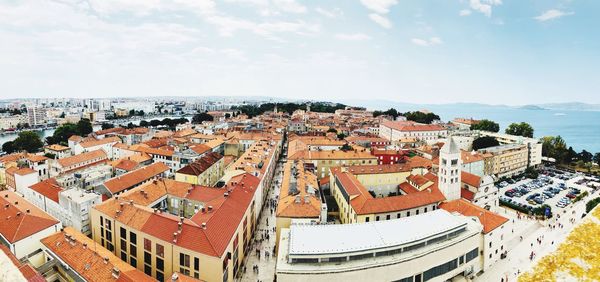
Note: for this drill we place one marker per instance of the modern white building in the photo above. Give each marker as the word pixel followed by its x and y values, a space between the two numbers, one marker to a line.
pixel 36 115
pixel 534 145
pixel 434 246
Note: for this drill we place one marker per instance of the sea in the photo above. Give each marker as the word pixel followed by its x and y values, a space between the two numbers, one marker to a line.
pixel 580 129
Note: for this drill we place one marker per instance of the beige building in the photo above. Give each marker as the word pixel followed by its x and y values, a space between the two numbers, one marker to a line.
pixel 324 160
pixel 204 171
pixel 507 160
pixel 167 226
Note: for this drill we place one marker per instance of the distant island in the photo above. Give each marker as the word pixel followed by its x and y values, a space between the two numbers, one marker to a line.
pixel 533 108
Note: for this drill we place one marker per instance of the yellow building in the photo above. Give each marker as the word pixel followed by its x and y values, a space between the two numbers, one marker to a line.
pixel 205 171
pixel 419 194
pixel 324 160
pixel 507 160
pixel 167 226
pixel 299 198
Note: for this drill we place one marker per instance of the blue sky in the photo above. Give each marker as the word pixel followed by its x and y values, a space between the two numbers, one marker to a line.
pixel 414 51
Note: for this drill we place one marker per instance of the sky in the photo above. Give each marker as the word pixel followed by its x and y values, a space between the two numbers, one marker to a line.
pixel 411 51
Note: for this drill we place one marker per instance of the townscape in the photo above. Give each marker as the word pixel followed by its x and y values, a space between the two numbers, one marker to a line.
pixel 269 191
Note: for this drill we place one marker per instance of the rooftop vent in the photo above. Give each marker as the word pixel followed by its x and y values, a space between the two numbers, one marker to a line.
pixel 203 225
pixel 115 273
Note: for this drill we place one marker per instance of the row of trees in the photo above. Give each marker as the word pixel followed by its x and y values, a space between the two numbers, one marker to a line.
pixel 415 116
pixel 255 110
pixel 167 122
pixel 556 147
pixel 521 128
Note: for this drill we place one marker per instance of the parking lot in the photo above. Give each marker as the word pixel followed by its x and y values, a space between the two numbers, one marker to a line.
pixel 553 187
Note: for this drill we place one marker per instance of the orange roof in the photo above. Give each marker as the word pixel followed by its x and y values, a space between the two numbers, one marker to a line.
pixel 36 158
pixel 49 188
pixel 470 157
pixel 411 126
pixel 130 179
pixel 488 219
pixel 470 179
pixel 110 130
pixel 467 194
pixel 153 151
pixel 466 121
pixel 418 161
pixel 99 142
pixel 363 203
pixel 21 219
pixel 126 164
pixel 57 147
pixel 75 138
pixel 185 132
pixel 379 169
pixel 418 180
pixel 332 155
pixel 81 158
pixel 200 148
pixel 87 258
pixel 304 180
pixel 221 223
pixel 24 171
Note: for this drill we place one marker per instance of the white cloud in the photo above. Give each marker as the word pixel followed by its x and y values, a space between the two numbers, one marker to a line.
pixel 352 37
pixel 552 14
pixel 227 26
pixel 379 6
pixel 290 6
pixel 381 20
pixel 427 42
pixel 333 13
pixel 464 12
pixel 484 6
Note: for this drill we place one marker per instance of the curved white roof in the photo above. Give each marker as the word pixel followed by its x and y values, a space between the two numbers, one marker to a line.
pixel 344 238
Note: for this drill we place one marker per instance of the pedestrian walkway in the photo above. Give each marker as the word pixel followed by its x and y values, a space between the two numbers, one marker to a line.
pixel 260 262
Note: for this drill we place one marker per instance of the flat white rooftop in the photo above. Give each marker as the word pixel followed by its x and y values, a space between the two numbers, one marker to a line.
pixel 344 238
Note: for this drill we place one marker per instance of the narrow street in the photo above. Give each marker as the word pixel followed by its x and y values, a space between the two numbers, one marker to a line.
pixel 261 255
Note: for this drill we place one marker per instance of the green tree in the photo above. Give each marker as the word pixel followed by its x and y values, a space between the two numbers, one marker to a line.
pixel 201 117
pixel 421 117
pixel 227 115
pixel 62 133
pixel 589 206
pixel 84 127
pixel 597 158
pixel 486 125
pixel 346 147
pixel 106 125
pixel 331 129
pixel 520 129
pixel 155 123
pixel 8 147
pixel 484 142
pixel 341 136
pixel 144 123
pixel 585 156
pixel 28 141
pixel 131 113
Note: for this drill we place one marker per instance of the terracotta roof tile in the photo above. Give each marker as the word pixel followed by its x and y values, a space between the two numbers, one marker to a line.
pixel 130 179
pixel 16 223
pixel 49 188
pixel 81 158
pixel 488 219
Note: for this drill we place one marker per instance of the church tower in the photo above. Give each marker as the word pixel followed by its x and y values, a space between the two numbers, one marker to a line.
pixel 450 167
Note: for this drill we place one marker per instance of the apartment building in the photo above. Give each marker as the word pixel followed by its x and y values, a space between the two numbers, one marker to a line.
pixel 130 180
pixel 322 161
pixel 206 170
pixel 507 160
pixel 166 226
pixel 105 144
pixel 77 162
pixel 36 116
pixel 534 145
pixel 57 150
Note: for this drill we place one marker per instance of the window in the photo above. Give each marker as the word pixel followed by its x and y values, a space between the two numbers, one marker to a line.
pixel 160 264
pixel 160 250
pixel 408 213
pixel 148 270
pixel 367 219
pixel 147 258
pixel 133 250
pixel 147 245
pixel 377 218
pixel 472 254
pixel 387 217
pixel 184 260
pixel 417 211
pixel 123 233
pixel 160 276
pixel 398 216
pixel 196 264
pixel 133 238
pixel 133 262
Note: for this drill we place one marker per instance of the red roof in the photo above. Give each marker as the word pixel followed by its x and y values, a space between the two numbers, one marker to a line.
pixel 488 219
pixel 411 126
pixel 49 188
pixel 20 219
pixel 363 203
pixel 470 179
pixel 467 194
pixel 30 274
pixel 131 179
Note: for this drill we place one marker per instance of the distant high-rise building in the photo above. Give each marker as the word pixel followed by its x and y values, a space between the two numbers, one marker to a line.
pixel 450 169
pixel 36 115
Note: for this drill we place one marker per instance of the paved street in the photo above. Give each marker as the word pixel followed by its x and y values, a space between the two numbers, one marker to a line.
pixel 266 265
pixel 518 258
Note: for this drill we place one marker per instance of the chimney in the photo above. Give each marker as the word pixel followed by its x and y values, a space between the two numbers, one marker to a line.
pixel 105 260
pixel 84 246
pixel 203 225
pixel 210 208
pixel 131 202
pixel 115 273
pixel 179 227
pixel 28 211
pixel 18 214
pixel 16 203
pixel 175 237
pixel 226 194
